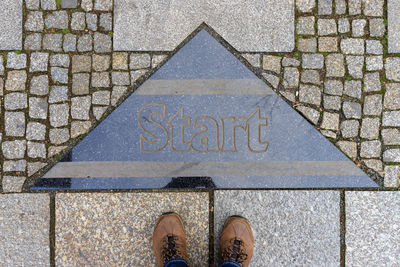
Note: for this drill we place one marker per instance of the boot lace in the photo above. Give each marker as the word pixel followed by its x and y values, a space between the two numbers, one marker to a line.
pixel 235 251
pixel 171 248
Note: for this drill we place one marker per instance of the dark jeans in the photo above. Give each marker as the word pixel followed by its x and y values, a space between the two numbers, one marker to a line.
pixel 182 263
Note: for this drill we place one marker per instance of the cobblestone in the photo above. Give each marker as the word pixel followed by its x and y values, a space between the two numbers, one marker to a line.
pixel 59 114
pixel 305 25
pixel 391 118
pixel 100 79
pixel 80 83
pixel 373 8
pixel 392 68
pixel 117 93
pixel 372 82
pixel 326 27
pixel 358 26
pixel 58 94
pixel 14 101
pixel 120 61
pixel 392 176
pixel 16 61
pixel 391 136
pixel 370 128
pixel 59 136
pixel 330 121
pixel 355 65
pixel 81 63
pixel 354 7
pixel 36 150
pixel 33 41
pixel 272 63
pixel 328 44
pixel 34 21
pixel 290 62
pixel 372 105
pixel 310 76
pixel 69 44
pixel 349 128
pixel 340 7
pixel 59 60
pixel 38 108
pixel 32 4
pixel 313 61
pixel 376 27
pixel 374 47
pixel 39 62
pixel 305 5
pixel 80 107
pixel 102 43
pixel 85 43
pixel 48 4
pixel 352 89
pixel 57 20
pixel 307 44
pixel 391 155
pixel 103 5
pixel 52 42
pixel 343 25
pixel 14 166
pixel 16 80
pixel 14 123
pixel 106 22
pixel 39 85
pixel 87 5
pixel 101 98
pixel 374 164
pixel 352 46
pixel 78 21
pixel 91 21
pixel 335 65
pixel 370 149
pixel 120 78
pixel 98 112
pixel 332 102
pixel 14 149
pixel 79 127
pixel 325 7
pixel 333 87
pixel 392 96
pixel 310 94
pixel 349 148
pixel 35 131
pixel 69 3
pixel 352 110
pixel 101 62
pixel 59 75
pixel 374 63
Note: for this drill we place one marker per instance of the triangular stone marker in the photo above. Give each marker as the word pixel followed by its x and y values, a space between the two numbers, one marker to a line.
pixel 204 120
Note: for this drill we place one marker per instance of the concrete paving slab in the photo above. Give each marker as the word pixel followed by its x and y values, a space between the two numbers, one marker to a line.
pixel 105 229
pixel 266 26
pixel 10 24
pixel 298 228
pixel 372 228
pixel 24 230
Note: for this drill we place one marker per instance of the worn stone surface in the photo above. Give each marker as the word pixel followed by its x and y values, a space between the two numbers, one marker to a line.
pixel 305 224
pixel 25 228
pixel 59 114
pixel 16 61
pixel 39 62
pixel 371 149
pixel 376 27
pixel 35 131
pixel 102 62
pixel 16 80
pixel 343 25
pixel 57 20
pixel 81 63
pixel 99 227
pixel 305 25
pixel 80 83
pixel 335 65
pixel 391 136
pixel 393 17
pixel 310 94
pixel 392 155
pixel 374 63
pixel 328 44
pixel 307 44
pixel 372 82
pixel 14 123
pixel 80 107
pixel 333 87
pixel 372 105
pixel 269 26
pixel 58 94
pixel 14 101
pixel 33 41
pixel 392 96
pixel 78 21
pixel 52 42
pixel 358 27
pixel 79 127
pixel 352 89
pixel 353 46
pixel 39 85
pixel 38 108
pixel 85 43
pixel 349 128
pixel 372 234
pixel 351 110
pixel 326 27
pixel 391 118
pixel 11 25
pixel 91 21
pixel 392 176
pixel 370 128
pixel 349 148
pixel 313 61
pixel 14 149
pixel 355 65
pixel 392 67
pixel 36 150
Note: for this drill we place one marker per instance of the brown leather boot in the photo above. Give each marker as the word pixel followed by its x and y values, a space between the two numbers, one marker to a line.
pixel 169 239
pixel 237 241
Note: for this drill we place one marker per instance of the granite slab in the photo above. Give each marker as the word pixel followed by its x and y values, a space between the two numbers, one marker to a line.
pixel 153 25
pixel 291 228
pixel 10 24
pixel 24 230
pixel 115 229
pixel 393 16
pixel 372 228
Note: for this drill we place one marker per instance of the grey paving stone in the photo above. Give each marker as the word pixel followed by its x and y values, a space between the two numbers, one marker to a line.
pixel 272 63
pixel 391 155
pixel 340 7
pixel 13 184
pixel 16 80
pixel 313 61
pixel 370 128
pixel 330 121
pixel 39 61
pixel 80 83
pixel 335 65
pixel 358 27
pixel 269 27
pixel 59 75
pixel 324 7
pixel 309 76
pixel 290 62
pixel 85 43
pixel 371 149
pixel 391 136
pixel 392 96
pixel 372 237
pixel 126 215
pixel 38 108
pixel 101 97
pixel 392 176
pixel 39 85
pixel 372 82
pixel 349 148
pixel 333 87
pixel 57 20
pixel 374 164
pixel 25 228
pixel 14 123
pixel 351 110
pixel 58 94
pixel 391 118
pixel 79 127
pixel 81 63
pixel 80 107
pixel 69 3
pixel 291 77
pixel 33 41
pixel 305 5
pixel 69 44
pixel 35 131
pixel 328 44
pixel 373 8
pixel 349 128
pixel 34 167
pixel 59 114
pixel 374 63
pixel 355 65
pixel 14 166
pixel 91 21
pixel 120 61
pixel 157 59
pixel 100 79
pixel 52 42
pixel 11 25
pixel 392 68
pixel 374 47
pixel 310 94
pixel 36 150
pixel 87 5
pixel 48 4
pixel 117 93
pixel 305 25
pixel 34 21
pixel 307 45
pixel 253 59
pixel 352 88
pixel 120 78
pixel 372 105
pixel 59 136
pixel 352 46
pixel 98 112
pixel 376 27
pixel 332 102
pixel 16 61
pixel 32 4
pixel 15 101
pixel 78 21
pixel 59 60
pixel 343 25
pixel 354 7
pixel 102 43
pixel 305 224
pixel 101 62
pixel 103 5
pixel 106 22
pixel 326 26
pixel 14 149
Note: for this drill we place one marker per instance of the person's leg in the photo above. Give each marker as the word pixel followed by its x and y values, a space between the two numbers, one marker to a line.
pixel 169 242
pixel 236 243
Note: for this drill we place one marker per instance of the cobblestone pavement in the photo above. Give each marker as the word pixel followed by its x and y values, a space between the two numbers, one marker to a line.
pixel 64 67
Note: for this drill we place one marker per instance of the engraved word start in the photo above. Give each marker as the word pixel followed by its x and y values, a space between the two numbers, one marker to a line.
pixel 201 134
